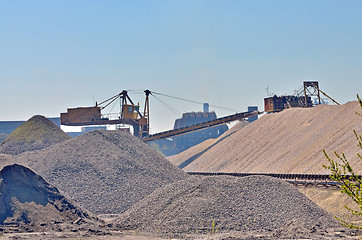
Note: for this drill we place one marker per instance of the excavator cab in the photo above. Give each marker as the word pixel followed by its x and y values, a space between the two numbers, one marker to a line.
pixel 130 111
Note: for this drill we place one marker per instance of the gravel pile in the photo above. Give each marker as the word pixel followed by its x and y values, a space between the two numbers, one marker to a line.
pixel 226 204
pixel 6 160
pixel 188 156
pixel 106 172
pixel 35 134
pixel 290 141
pixel 29 203
pixel 2 137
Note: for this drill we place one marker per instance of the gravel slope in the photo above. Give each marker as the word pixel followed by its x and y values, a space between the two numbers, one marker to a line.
pixel 104 171
pixel 234 204
pixel 287 142
pixel 6 160
pixel 28 203
pixel 36 133
pixel 189 155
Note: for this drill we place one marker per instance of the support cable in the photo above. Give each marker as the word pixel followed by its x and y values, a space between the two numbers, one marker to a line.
pixel 187 100
pixel 110 111
pixel 136 91
pixel 112 98
pixel 178 114
pixel 296 92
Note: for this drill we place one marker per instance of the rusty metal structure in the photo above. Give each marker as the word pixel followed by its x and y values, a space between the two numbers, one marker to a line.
pixel 203 125
pixel 301 99
pixel 277 104
pixel 130 114
pixel 311 88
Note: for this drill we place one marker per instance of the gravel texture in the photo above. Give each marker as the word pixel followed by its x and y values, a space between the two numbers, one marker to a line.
pixel 198 150
pixel 290 141
pixel 6 160
pixel 28 203
pixel 35 134
pixel 106 172
pixel 253 203
pixel 2 137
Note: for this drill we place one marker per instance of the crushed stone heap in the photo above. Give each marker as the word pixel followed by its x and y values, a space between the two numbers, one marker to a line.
pixel 6 160
pixel 106 172
pixel 234 204
pixel 290 141
pixel 36 133
pixel 198 150
pixel 29 203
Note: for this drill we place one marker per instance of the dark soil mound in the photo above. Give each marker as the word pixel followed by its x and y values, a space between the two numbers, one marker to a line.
pixel 36 133
pixel 28 203
pixel 105 171
pixel 225 204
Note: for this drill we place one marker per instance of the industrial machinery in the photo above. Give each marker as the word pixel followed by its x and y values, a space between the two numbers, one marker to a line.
pixel 129 114
pixel 203 125
pixel 301 98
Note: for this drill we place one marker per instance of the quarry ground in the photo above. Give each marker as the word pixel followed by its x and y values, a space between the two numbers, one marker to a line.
pixel 110 166
pixel 330 199
pixel 334 234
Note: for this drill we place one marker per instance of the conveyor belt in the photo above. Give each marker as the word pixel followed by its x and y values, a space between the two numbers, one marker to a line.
pixel 199 126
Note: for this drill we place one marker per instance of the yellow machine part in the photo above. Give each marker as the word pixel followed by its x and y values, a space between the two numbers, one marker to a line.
pixel 130 111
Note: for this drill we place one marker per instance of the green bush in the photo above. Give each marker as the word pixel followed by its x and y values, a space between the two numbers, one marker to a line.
pixel 349 180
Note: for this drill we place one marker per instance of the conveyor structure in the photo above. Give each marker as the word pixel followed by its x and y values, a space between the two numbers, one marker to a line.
pixel 130 114
pixel 199 126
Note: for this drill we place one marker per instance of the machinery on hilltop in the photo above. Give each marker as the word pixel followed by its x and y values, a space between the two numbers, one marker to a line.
pixel 301 98
pixel 130 114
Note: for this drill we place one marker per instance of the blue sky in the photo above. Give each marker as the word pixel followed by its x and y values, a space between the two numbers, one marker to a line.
pixel 60 54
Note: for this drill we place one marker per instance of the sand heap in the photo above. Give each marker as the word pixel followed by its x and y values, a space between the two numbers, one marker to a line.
pixel 36 133
pixel 196 151
pixel 104 171
pixel 28 203
pixel 227 204
pixel 287 142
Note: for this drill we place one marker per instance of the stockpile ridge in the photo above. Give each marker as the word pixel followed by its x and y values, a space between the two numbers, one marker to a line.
pixel 35 134
pixel 290 141
pixel 6 160
pixel 196 151
pixel 227 204
pixel 106 172
pixel 28 203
